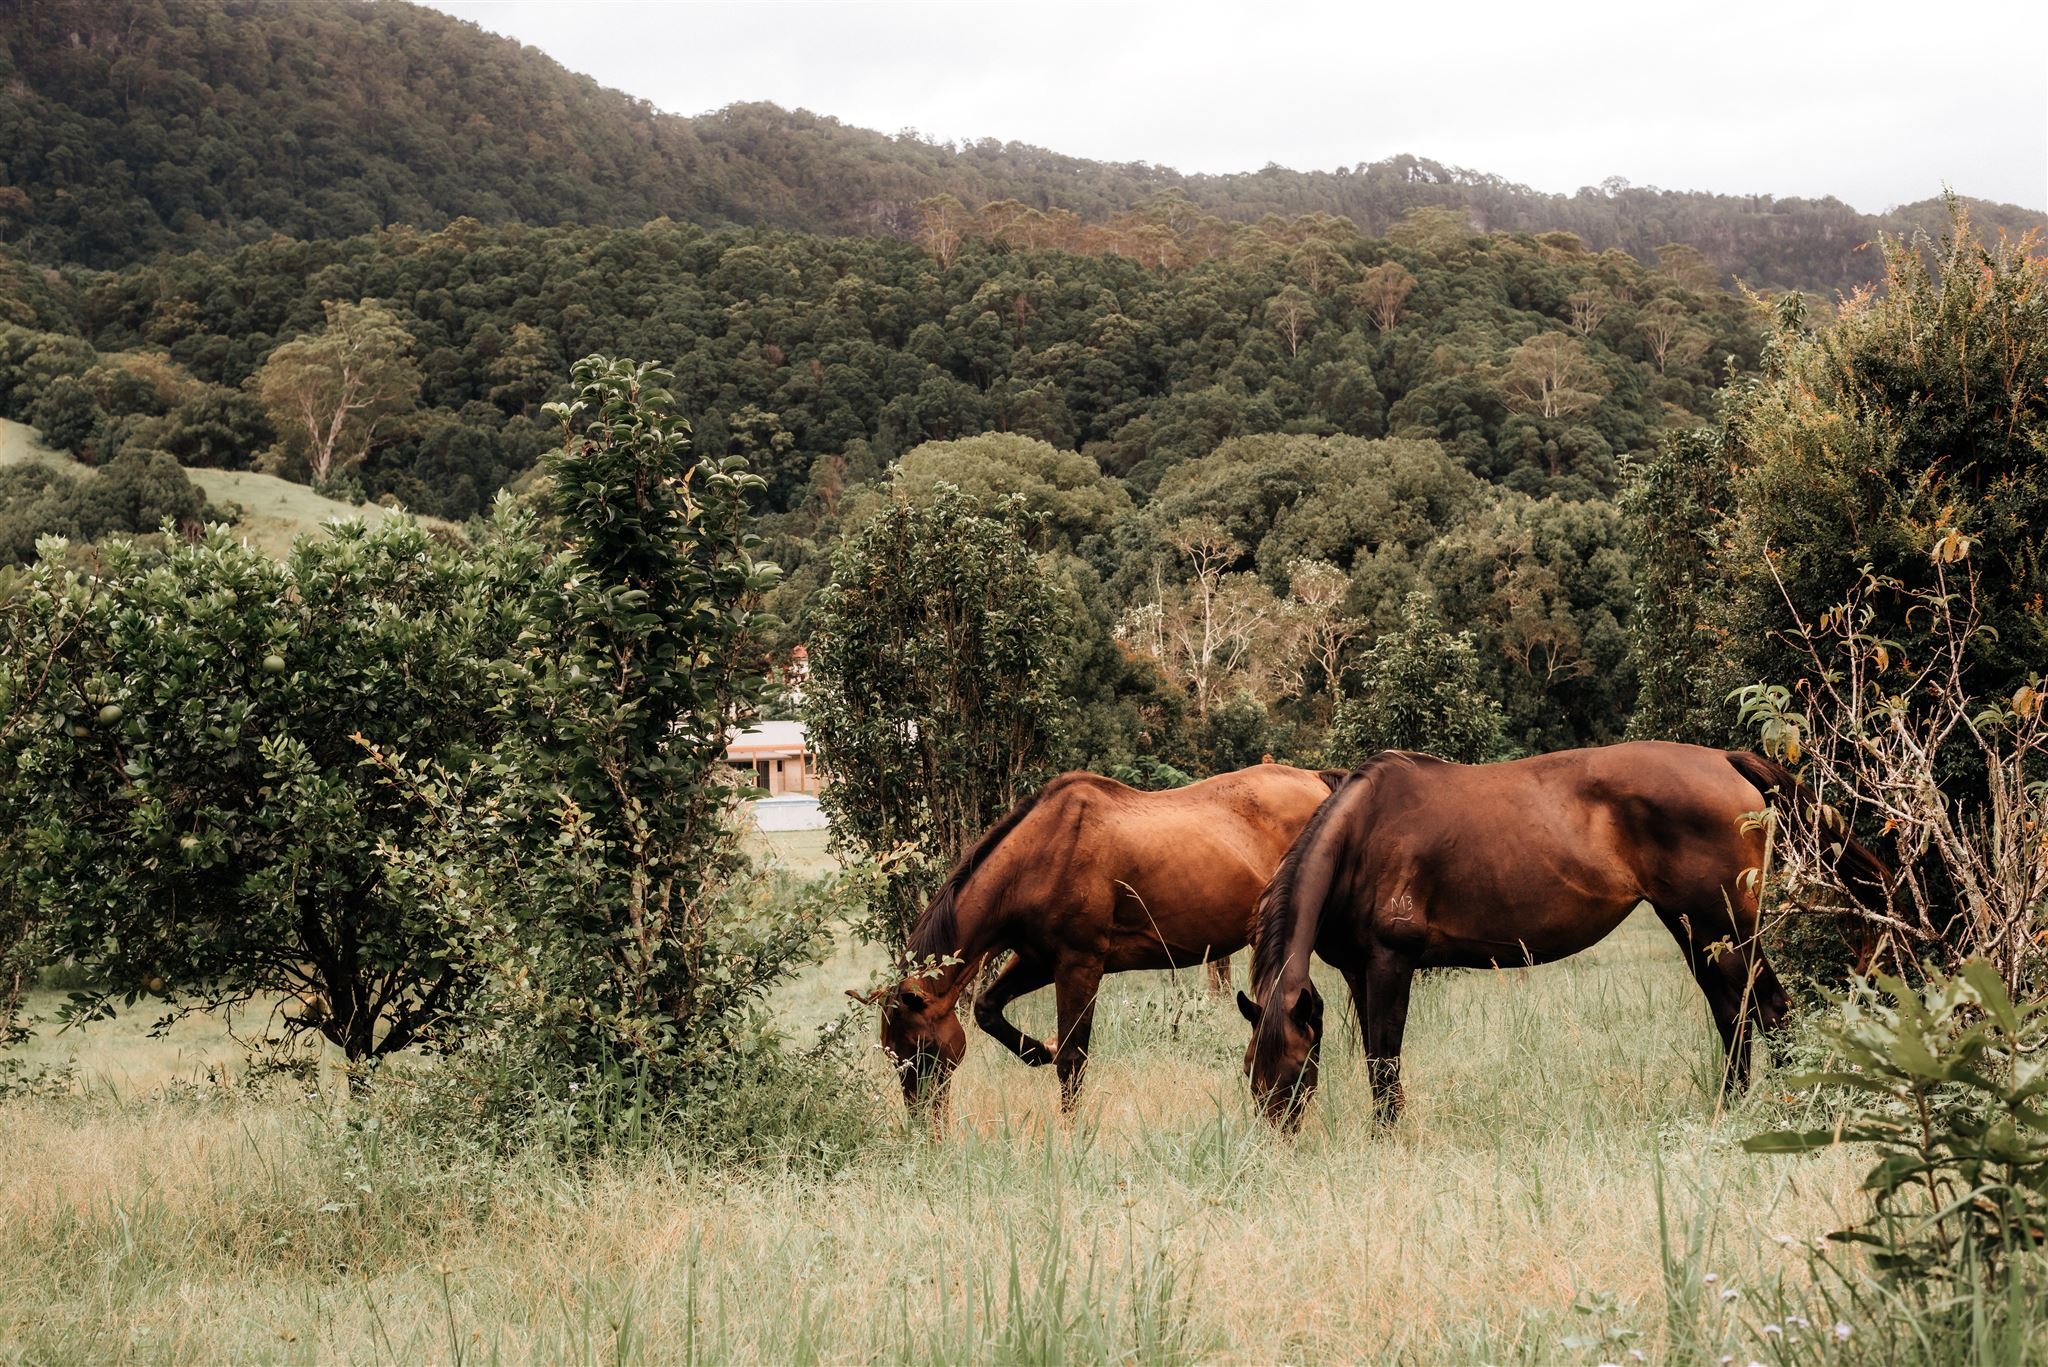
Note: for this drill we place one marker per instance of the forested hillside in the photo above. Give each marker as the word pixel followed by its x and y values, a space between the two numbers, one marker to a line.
pixel 1536 364
pixel 1490 390
pixel 176 124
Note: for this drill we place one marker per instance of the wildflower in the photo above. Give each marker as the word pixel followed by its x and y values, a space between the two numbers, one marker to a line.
pixel 1773 1330
pixel 1638 1355
pixel 1841 1332
pixel 1711 1278
pixel 1729 1294
pixel 1799 1321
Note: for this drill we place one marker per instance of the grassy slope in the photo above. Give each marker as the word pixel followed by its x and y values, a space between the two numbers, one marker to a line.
pixel 195 1225
pixel 273 510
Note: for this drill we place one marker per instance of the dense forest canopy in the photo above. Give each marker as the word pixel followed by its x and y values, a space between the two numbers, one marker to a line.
pixel 1250 418
pixel 167 125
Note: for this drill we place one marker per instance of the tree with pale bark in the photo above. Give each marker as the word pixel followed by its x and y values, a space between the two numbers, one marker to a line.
pixel 1552 376
pixel 1382 291
pixel 327 393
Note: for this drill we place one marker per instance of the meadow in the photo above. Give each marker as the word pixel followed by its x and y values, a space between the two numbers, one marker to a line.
pixel 1563 1189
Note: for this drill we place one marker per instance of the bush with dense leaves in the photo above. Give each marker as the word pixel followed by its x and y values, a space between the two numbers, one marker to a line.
pixel 936 652
pixel 189 812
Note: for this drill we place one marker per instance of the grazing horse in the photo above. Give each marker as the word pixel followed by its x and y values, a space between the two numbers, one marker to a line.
pixel 1089 877
pixel 1417 862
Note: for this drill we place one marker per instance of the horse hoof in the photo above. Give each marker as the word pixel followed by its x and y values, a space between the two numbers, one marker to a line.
pixel 1036 1054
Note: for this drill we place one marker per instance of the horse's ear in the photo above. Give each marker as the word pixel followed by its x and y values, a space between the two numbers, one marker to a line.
pixel 1307 1010
pixel 911 998
pixel 1247 1008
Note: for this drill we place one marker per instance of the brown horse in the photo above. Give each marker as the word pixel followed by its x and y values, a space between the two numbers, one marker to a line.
pixel 1420 863
pixel 1089 877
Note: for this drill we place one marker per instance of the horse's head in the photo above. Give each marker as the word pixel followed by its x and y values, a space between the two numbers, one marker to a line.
pixel 923 1038
pixel 1282 1057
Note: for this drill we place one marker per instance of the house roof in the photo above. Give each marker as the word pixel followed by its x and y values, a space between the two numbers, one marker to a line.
pixel 769 740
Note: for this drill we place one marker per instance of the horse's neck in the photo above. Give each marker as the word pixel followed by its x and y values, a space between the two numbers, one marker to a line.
pixel 974 941
pixel 1301 945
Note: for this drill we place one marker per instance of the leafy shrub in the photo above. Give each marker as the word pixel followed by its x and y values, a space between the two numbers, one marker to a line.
pixel 1946 1083
pixel 588 869
pixel 1904 746
pixel 933 703
pixel 137 491
pixel 190 816
pixel 1419 689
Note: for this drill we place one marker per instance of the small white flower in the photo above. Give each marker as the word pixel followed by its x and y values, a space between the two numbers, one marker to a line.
pixel 1710 1279
pixel 1841 1332
pixel 1638 1355
pixel 1729 1294
pixel 1773 1330
pixel 1799 1321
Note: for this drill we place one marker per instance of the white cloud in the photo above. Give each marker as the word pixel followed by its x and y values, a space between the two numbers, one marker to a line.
pixel 1876 103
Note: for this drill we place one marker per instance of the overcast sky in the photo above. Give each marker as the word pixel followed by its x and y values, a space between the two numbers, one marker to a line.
pixel 1874 102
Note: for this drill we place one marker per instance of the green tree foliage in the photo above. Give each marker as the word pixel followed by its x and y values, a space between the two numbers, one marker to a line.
pixel 933 701
pixel 189 812
pixel 137 492
pixel 1418 689
pixel 799 351
pixel 1920 409
pixel 1673 509
pixel 1064 492
pixel 181 124
pixel 327 393
pixel 641 658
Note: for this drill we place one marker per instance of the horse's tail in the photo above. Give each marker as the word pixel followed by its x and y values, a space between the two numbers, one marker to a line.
pixel 1866 877
pixel 937 931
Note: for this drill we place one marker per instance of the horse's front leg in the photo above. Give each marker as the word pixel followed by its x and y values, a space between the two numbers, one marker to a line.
pixel 1075 983
pixel 1019 977
pixel 1379 993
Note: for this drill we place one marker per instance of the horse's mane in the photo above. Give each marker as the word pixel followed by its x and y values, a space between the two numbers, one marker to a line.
pixel 937 931
pixel 1273 923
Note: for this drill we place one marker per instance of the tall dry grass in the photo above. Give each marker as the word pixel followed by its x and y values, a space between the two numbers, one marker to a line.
pixel 1549 1111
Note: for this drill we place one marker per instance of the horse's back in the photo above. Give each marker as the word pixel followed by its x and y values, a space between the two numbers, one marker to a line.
pixel 1531 853
pixel 1134 868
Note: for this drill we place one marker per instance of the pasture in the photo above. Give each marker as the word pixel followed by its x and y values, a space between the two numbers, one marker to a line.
pixel 273 510
pixel 1562 1147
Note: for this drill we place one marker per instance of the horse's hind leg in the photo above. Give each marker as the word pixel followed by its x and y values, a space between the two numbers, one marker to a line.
pixel 1076 983
pixel 1379 991
pixel 1719 942
pixel 1019 977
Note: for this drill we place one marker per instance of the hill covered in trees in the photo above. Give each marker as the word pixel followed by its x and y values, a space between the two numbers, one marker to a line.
pixel 1434 407
pixel 164 125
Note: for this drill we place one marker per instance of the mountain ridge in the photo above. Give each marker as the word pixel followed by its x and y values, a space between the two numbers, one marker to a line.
pixel 171 125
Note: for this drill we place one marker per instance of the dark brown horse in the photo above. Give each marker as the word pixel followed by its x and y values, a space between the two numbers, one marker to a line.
pixel 1089 877
pixel 1420 863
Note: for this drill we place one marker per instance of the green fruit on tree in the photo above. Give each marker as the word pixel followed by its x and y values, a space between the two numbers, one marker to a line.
pixel 273 664
pixel 110 714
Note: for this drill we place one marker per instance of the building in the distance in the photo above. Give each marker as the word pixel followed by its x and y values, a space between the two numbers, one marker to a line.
pixel 775 756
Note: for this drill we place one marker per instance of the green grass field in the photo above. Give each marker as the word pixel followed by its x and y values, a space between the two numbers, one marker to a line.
pixel 156 1215
pixel 274 510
